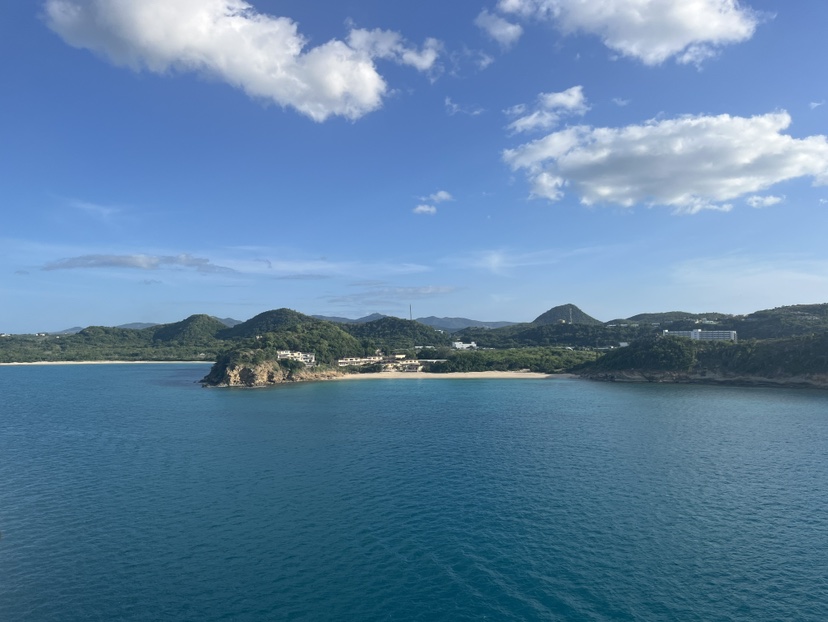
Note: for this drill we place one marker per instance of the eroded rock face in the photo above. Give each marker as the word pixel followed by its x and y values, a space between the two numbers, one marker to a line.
pixel 262 375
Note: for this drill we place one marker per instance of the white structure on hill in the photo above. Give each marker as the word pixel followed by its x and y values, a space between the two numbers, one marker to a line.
pixel 307 358
pixel 704 335
pixel 459 345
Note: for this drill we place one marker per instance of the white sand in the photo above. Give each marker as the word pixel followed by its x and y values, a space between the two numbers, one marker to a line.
pixel 468 374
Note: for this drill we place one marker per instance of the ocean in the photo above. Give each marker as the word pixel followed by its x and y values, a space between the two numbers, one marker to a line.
pixel 128 492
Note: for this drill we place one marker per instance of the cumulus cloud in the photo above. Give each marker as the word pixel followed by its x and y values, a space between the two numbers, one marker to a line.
pixel 503 31
pixel 689 163
pixel 262 55
pixel 651 31
pixel 548 110
pixel 440 196
pixel 760 201
pixel 425 209
pixel 137 262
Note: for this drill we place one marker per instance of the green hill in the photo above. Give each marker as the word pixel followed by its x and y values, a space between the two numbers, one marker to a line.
pixel 268 322
pixel 566 314
pixel 194 330
pixel 393 333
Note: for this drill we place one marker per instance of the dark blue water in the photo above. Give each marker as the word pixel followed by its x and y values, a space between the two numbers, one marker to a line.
pixel 129 493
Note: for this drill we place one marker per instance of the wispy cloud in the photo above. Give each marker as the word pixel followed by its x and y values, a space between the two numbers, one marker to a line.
pixel 303 277
pixel 453 108
pixel 136 262
pixel 389 297
pixel 547 112
pixel 103 212
pixel 815 105
pixel 749 283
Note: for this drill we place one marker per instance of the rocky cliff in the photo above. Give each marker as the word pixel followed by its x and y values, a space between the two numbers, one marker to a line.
pixel 262 375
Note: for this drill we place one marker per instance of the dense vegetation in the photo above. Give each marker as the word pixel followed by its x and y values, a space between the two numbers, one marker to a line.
pixel 787 340
pixel 771 358
pixel 542 360
pixel 390 334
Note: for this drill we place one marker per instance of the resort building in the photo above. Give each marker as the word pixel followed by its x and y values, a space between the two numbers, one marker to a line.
pixel 307 358
pixel 359 361
pixel 704 335
pixel 459 345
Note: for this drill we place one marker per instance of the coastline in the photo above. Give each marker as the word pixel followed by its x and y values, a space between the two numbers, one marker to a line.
pixel 395 375
pixel 105 363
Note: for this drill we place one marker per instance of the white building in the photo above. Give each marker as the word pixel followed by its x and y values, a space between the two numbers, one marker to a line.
pixel 359 361
pixel 459 345
pixel 307 358
pixel 704 335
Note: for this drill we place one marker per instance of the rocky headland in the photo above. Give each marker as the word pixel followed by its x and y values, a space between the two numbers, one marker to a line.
pixel 263 375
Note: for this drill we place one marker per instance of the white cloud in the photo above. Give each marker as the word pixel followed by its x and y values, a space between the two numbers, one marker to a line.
pixel 503 31
pixel 815 105
pixel 651 31
pixel 137 262
pixel 748 283
pixel 262 55
pixel 439 197
pixel 689 163
pixel 425 209
pixel 620 101
pixel 391 46
pixel 766 201
pixel 548 111
pixel 104 212
pixel 453 108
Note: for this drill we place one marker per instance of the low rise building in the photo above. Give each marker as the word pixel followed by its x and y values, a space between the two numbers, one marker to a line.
pixel 459 345
pixel 704 335
pixel 307 358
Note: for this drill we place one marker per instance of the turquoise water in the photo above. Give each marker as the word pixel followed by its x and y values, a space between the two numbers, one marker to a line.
pixel 129 493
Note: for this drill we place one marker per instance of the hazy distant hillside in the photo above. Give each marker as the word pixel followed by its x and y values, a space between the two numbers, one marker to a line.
pixel 137 325
pixel 195 329
pixel 452 324
pixel 569 314
pixel 675 316
pixel 345 320
pixel 393 333
pixel 228 321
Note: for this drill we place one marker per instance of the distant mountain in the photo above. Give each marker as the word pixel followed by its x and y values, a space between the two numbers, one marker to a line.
pixel 228 321
pixel 195 329
pixel 452 324
pixel 344 320
pixel 673 316
pixel 566 314
pixel 68 331
pixel 393 333
pixel 137 325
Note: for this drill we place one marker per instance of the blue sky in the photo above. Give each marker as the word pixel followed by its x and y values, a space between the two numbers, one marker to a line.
pixel 485 159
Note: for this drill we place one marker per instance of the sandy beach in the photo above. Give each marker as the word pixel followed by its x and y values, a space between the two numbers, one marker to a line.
pixel 469 374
